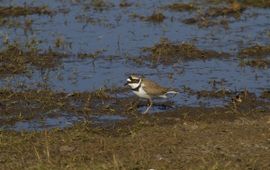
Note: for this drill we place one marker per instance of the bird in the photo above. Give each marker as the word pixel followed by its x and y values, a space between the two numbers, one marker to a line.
pixel 147 89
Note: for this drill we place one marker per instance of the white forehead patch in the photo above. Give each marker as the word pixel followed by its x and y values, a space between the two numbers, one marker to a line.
pixel 128 80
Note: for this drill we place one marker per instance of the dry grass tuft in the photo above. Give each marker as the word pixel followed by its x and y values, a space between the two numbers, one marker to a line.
pixel 166 52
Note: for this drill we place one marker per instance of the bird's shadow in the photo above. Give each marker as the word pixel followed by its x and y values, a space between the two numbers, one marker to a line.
pixel 157 106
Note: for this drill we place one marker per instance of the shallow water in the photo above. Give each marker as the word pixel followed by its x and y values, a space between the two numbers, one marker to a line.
pixel 63 121
pixel 121 36
pixel 47 123
pixel 107 118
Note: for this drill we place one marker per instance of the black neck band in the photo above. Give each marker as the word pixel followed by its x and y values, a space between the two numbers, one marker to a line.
pixel 137 88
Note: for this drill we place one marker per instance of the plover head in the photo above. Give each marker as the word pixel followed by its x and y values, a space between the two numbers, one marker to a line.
pixel 133 81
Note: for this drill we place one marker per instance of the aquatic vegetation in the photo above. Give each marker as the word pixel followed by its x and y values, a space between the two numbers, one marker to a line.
pixel 181 7
pixel 255 51
pixel 166 52
pixel 257 3
pixel 206 22
pixel 156 17
pixel 234 9
pixel 124 4
pixel 9 22
pixel 14 60
pixel 90 55
pixel 259 63
pixel 23 11
pixel 98 5
pixel 255 56
pixel 211 16
pixel 248 3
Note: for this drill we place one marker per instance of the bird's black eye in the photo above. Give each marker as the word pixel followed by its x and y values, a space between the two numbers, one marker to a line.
pixel 136 80
pixel 130 77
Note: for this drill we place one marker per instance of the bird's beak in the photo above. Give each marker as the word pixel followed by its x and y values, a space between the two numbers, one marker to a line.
pixel 126 84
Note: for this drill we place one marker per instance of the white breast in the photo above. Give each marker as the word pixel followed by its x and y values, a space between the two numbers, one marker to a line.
pixel 141 93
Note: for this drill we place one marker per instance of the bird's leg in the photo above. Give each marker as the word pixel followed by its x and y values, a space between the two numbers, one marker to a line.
pixel 150 105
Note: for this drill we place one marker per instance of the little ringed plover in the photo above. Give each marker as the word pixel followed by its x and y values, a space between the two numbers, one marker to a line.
pixel 145 88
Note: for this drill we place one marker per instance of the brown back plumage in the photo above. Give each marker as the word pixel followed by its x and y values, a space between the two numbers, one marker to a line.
pixel 152 88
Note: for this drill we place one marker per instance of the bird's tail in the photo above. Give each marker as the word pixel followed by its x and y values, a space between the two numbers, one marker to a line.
pixel 172 92
pixel 169 92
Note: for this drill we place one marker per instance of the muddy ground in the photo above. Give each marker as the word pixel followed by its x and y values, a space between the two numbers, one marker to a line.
pixel 198 139
pixel 235 136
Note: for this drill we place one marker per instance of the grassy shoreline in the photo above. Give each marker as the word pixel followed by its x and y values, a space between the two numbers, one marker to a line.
pixel 195 141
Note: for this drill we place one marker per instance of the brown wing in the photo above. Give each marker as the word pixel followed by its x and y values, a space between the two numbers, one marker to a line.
pixel 152 88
